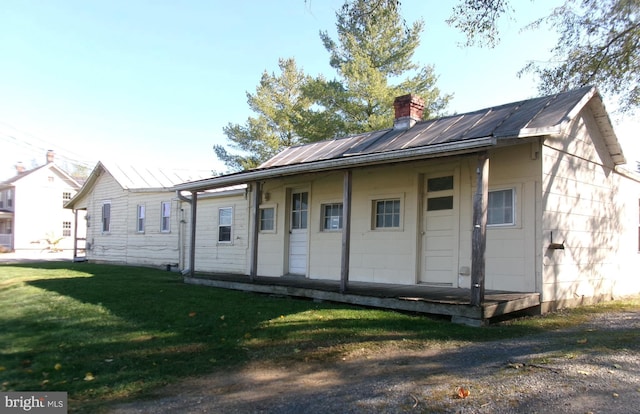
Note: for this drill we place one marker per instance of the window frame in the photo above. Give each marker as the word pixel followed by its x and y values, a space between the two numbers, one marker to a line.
pixel 229 225
pixel 387 197
pixel 514 219
pixel 273 221
pixel 105 223
pixel 323 217
pixel 165 220
pixel 141 218
pixel 66 229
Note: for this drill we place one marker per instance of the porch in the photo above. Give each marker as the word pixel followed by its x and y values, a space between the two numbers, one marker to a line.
pixel 433 300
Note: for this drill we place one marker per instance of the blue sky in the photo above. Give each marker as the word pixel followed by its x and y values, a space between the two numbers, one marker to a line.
pixel 155 81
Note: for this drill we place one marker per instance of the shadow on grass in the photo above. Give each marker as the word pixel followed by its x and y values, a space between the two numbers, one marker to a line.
pixel 116 332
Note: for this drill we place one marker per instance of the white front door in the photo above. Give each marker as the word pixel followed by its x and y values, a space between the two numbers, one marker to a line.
pixel 298 236
pixel 440 230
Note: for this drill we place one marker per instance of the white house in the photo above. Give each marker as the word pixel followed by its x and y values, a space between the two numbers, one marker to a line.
pixel 529 196
pixel 134 217
pixel 32 216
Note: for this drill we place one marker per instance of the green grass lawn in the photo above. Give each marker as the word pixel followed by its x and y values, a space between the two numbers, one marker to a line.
pixel 111 333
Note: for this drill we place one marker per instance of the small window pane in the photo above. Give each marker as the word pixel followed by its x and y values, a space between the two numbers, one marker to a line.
pixel 440 203
pixel 500 209
pixel 332 216
pixel 141 216
pixel 225 218
pixel 267 219
pixel 166 217
pixel 440 183
pixel 387 214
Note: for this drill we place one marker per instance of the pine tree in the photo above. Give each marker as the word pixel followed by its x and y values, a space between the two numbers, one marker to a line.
pixel 279 104
pixel 373 59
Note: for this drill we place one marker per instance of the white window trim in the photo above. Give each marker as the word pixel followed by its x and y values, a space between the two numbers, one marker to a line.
pixel 514 208
pixel 230 241
pixel 144 218
pixel 382 197
pixel 162 217
pixel 275 218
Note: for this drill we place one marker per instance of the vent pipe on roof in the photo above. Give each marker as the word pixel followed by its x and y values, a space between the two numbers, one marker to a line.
pixel 408 109
pixel 50 156
pixel 20 168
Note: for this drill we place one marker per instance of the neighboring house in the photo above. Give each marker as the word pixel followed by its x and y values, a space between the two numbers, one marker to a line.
pixel 134 217
pixel 31 208
pixel 397 206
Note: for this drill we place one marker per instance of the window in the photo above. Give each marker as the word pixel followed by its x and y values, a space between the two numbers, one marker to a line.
pixel 332 216
pixel 9 199
pixel 444 199
pixel 106 217
pixel 268 219
pixel 225 218
pixel 501 207
pixel 299 210
pixel 165 213
pixel 66 229
pixel 140 218
pixel 387 214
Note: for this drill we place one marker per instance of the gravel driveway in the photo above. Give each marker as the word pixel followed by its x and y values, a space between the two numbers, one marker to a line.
pixel 592 368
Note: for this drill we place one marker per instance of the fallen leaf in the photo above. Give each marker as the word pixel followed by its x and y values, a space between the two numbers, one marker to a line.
pixel 615 395
pixel 247 335
pixel 222 318
pixel 462 392
pixel 2 368
pixel 515 365
pixel 89 377
pixel 583 372
pixel 192 314
pixel 582 341
pixel 57 366
pixel 617 366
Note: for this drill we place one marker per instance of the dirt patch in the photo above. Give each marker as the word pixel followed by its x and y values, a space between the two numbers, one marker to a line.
pixel 593 368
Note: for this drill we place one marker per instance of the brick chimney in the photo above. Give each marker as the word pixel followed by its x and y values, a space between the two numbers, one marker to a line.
pixel 20 167
pixel 409 109
pixel 50 156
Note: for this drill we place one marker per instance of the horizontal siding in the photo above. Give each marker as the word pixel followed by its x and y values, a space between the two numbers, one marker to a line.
pixel 222 257
pixel 594 211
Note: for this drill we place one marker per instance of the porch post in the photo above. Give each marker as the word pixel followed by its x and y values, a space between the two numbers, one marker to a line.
pixel 479 238
pixel 192 250
pixel 75 234
pixel 257 196
pixel 346 231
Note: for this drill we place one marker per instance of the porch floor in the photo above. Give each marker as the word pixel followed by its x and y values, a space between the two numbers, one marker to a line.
pixel 435 300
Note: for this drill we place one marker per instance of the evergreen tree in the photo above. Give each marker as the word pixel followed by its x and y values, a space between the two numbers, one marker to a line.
pixel 279 104
pixel 373 59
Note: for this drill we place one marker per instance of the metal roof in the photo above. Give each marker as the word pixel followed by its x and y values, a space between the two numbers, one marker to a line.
pixel 537 116
pixel 548 115
pixel 139 177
